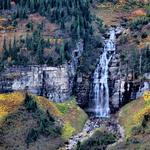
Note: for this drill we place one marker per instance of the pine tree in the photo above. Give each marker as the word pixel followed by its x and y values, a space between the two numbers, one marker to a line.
pixel 40 53
pixel 4 44
pixel 5 53
pixel 5 4
pixel 62 54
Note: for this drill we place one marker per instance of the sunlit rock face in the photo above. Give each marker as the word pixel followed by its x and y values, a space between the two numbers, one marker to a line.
pixel 53 82
pixel 143 87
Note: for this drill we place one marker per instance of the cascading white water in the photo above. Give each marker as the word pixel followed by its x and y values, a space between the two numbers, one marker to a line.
pixel 100 83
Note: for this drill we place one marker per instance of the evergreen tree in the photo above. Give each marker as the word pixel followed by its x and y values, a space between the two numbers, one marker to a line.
pixel 62 54
pixel 5 52
pixel 40 53
pixel 61 11
pixel 5 4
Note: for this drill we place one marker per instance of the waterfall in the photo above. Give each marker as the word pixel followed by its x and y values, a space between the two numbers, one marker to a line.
pixel 100 78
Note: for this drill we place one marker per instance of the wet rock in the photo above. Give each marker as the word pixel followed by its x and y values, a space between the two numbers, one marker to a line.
pixel 147 76
pixel 91 125
pixel 113 70
pixel 143 87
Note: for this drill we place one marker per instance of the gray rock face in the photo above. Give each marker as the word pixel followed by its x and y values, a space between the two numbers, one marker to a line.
pixel 114 82
pixel 123 91
pixel 143 87
pixel 147 76
pixel 53 82
pixel 83 89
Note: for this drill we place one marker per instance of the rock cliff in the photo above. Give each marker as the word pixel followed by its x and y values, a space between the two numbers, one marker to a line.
pixel 53 82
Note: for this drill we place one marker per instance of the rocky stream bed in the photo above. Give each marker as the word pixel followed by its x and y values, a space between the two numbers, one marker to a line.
pixel 109 124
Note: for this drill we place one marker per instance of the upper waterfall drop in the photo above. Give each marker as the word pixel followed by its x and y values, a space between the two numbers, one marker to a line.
pixel 100 78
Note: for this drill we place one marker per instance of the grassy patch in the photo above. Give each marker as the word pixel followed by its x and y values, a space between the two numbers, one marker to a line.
pixel 70 114
pixel 134 117
pixel 67 131
pixel 127 113
pixel 73 117
pixel 64 107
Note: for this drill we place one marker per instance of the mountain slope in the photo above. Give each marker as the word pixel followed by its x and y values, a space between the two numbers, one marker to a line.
pixel 30 122
pixel 135 118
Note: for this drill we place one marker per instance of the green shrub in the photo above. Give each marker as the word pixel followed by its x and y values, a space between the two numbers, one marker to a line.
pixel 144 35
pixel 132 140
pixel 148 10
pixel 99 140
pixel 46 122
pixel 30 103
pixel 123 39
pixel 50 116
pixel 32 136
pixel 138 23
pixel 137 130
pixel 47 125
pixel 63 107
pixel 30 25
pixel 145 120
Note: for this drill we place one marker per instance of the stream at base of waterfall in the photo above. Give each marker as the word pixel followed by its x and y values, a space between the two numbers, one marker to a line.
pixel 110 124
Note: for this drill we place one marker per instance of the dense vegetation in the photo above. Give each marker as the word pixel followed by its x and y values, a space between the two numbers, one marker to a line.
pixel 5 4
pixel 27 113
pixel 73 16
pixel 32 50
pixel 35 122
pixel 136 61
pixel 134 56
pixel 99 140
pixel 46 123
pixel 136 123
pixel 74 12
pixel 138 23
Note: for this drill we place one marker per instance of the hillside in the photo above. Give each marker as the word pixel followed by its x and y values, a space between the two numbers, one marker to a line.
pixel 52 27
pixel 34 122
pixel 134 118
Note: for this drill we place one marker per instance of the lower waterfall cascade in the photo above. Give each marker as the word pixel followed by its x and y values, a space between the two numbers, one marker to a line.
pixel 100 88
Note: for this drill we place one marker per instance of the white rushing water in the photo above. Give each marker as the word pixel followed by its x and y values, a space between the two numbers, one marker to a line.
pixel 100 83
pixel 100 99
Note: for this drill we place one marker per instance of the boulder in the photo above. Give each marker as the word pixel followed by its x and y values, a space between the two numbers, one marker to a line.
pixel 147 76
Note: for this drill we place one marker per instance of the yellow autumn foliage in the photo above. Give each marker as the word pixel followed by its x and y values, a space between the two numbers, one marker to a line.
pixel 132 114
pixel 145 111
pixel 10 103
pixel 68 130
pixel 146 96
pixel 139 116
pixel 44 104
pixel 68 113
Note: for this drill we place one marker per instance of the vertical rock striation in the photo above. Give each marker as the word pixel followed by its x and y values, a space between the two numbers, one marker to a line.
pixel 53 82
